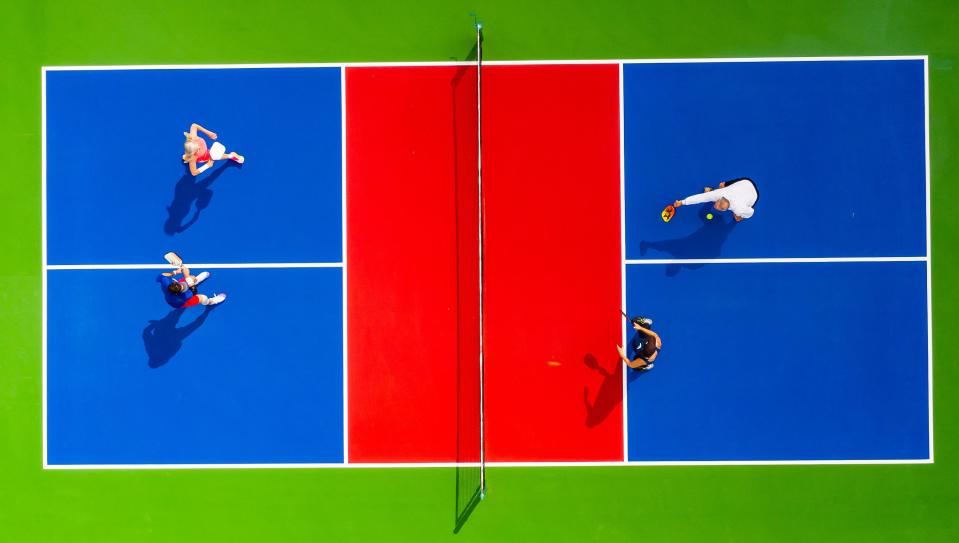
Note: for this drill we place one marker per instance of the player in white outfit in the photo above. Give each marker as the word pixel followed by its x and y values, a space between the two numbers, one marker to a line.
pixel 739 196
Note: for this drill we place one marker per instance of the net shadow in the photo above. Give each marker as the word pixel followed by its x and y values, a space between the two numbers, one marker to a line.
pixel 465 138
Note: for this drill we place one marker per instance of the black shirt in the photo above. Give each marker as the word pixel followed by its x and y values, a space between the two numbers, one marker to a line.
pixel 643 345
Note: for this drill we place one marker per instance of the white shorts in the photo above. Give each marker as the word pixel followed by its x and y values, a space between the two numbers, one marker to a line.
pixel 216 150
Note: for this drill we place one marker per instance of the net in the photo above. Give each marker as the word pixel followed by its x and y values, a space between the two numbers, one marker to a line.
pixel 468 184
pixel 481 233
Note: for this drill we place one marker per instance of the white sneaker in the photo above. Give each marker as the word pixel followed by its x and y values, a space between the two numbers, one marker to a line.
pixel 216 299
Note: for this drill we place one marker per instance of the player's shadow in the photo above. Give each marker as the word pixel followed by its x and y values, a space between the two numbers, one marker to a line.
pixel 191 194
pixel 706 242
pixel 610 392
pixel 162 339
pixel 632 375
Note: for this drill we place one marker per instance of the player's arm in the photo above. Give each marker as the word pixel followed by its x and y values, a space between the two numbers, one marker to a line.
pixel 708 196
pixel 737 217
pixel 635 364
pixel 194 127
pixel 197 171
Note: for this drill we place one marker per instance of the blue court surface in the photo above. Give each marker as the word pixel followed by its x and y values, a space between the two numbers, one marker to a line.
pixel 799 361
pixel 116 190
pixel 779 361
pixel 257 380
pixel 132 381
pixel 837 151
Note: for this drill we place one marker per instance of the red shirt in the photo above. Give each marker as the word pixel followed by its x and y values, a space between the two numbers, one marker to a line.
pixel 202 154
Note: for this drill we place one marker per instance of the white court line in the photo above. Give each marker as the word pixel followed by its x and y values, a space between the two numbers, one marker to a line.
pixel 777 260
pixel 622 254
pixel 401 64
pixel 420 465
pixel 662 463
pixel 237 265
pixel 43 256
pixel 929 255
pixel 246 66
pixel 346 387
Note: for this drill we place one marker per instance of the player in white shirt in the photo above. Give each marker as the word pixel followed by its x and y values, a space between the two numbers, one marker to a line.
pixel 739 196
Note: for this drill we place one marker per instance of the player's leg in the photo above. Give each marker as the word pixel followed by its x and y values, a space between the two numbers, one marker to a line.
pixel 195 280
pixel 194 300
pixel 216 299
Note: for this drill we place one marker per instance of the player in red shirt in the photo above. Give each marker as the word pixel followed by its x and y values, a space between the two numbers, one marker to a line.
pixel 195 150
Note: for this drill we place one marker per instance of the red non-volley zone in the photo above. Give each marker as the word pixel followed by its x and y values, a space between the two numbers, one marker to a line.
pixel 552 255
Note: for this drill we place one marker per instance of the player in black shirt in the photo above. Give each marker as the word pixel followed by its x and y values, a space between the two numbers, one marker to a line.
pixel 646 344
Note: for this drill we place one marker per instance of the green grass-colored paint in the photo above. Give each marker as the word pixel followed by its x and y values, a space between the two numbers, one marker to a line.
pixel 771 504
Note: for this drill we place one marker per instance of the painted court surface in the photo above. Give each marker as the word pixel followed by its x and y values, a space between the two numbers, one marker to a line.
pixel 347 244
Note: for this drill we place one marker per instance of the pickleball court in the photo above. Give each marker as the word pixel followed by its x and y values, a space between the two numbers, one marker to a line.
pixel 348 246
